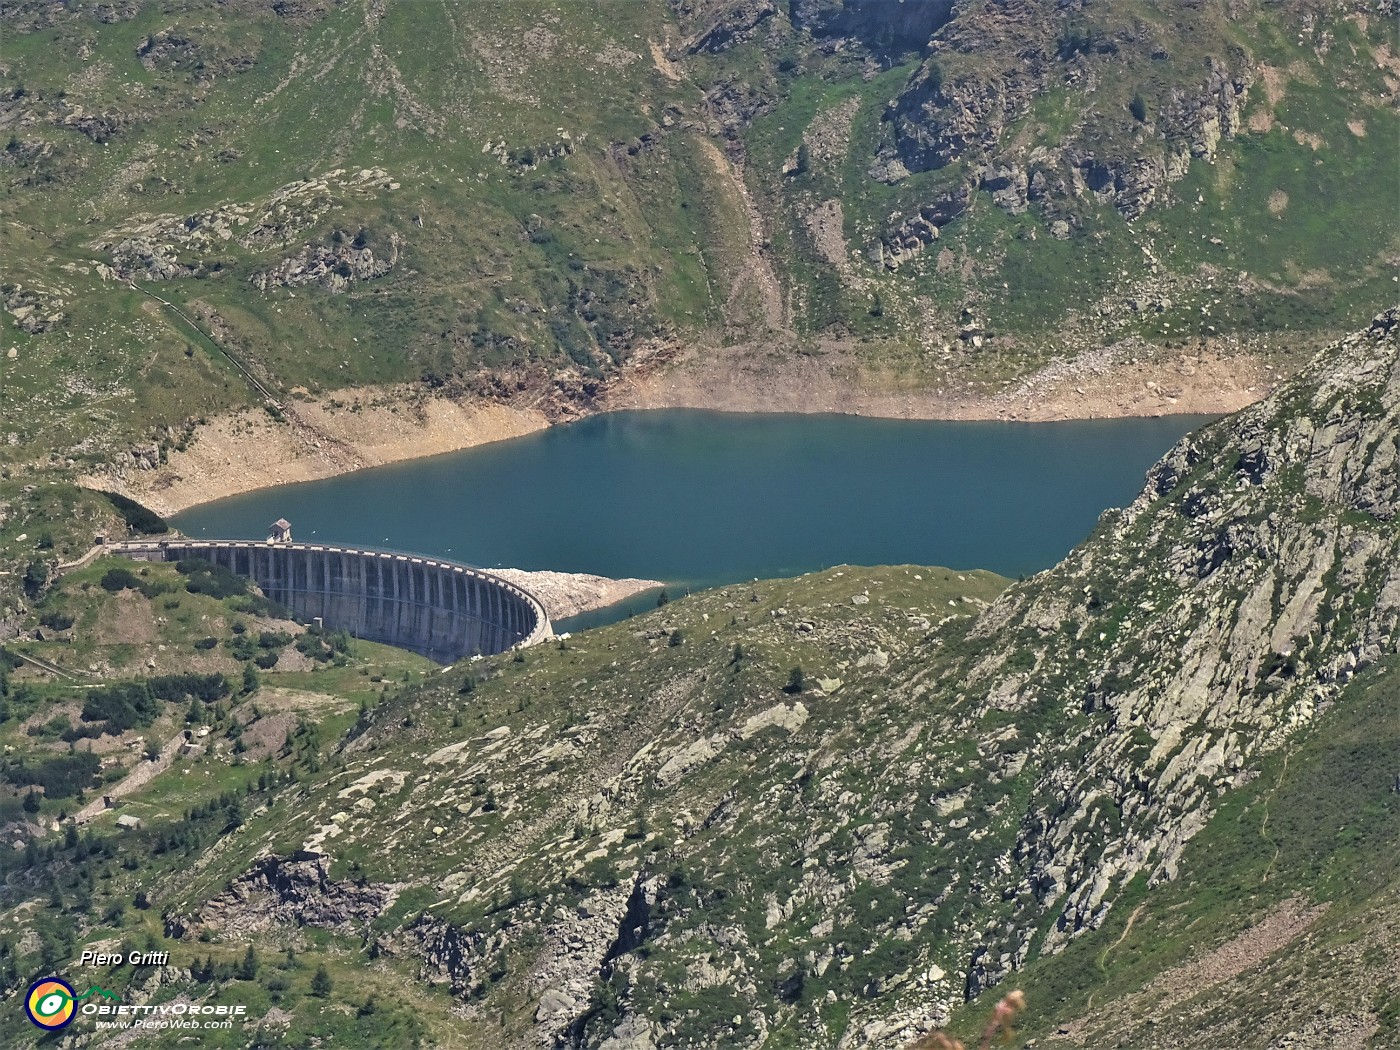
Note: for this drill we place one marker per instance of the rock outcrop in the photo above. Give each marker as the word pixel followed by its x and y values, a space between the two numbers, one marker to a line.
pixel 34 310
pixel 1209 621
pixel 170 246
pixel 721 26
pixel 174 50
pixel 334 267
pixel 658 835
pixel 884 26
pixel 279 891
pixel 960 794
pixel 993 63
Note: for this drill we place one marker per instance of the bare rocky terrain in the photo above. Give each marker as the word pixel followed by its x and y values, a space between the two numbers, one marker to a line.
pixel 565 594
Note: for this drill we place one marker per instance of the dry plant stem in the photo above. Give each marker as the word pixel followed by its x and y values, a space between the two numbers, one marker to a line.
pixel 1000 1024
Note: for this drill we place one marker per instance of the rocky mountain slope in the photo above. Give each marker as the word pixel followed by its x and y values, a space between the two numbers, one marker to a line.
pixel 832 811
pixel 1280 929
pixel 539 203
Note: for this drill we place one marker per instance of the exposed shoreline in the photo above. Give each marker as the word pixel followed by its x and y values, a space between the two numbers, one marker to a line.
pixel 1126 380
pixel 353 429
pixel 344 431
pixel 566 594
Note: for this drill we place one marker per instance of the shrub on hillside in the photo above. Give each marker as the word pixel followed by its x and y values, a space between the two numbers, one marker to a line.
pixel 54 728
pixel 257 605
pixel 83 732
pixel 126 705
pixel 241 647
pixel 323 645
pixel 797 681
pixel 204 577
pixel 59 776
pixel 134 705
pixel 37 576
pixel 120 578
pixel 206 687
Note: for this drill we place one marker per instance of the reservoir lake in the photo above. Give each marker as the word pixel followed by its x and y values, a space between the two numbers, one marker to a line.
pixel 699 499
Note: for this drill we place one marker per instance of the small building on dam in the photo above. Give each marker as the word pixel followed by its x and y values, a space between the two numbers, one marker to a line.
pixel 444 610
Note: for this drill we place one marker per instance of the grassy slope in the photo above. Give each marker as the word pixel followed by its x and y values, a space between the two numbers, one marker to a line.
pixel 511 259
pixel 511 798
pixel 612 675
pixel 97 875
pixel 1317 823
pixel 934 774
pixel 517 257
pixel 1322 260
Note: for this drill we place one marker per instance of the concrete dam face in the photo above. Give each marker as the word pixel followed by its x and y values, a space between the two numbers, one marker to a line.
pixel 443 610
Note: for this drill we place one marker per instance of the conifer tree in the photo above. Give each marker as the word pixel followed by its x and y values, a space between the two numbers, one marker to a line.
pixel 249 970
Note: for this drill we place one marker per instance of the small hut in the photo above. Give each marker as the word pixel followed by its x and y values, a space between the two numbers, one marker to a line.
pixel 129 823
pixel 280 531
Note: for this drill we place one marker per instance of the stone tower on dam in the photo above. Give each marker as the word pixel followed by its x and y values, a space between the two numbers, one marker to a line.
pixel 443 610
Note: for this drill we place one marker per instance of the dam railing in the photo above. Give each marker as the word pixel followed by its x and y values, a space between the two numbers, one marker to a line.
pixel 444 610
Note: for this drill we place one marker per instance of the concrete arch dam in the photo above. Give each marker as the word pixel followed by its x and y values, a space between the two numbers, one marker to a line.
pixel 443 610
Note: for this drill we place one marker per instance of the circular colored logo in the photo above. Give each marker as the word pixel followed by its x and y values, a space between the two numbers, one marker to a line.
pixel 51 1003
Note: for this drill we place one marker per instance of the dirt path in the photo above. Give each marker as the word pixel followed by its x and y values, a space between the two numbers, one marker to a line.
pixel 1103 959
pixel 1264 824
pixel 51 668
pixel 340 454
pixel 1173 987
pixel 238 365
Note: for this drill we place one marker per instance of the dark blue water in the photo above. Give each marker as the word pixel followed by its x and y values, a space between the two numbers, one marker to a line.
pixel 703 498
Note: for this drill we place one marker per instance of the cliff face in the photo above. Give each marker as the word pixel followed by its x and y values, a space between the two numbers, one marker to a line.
pixel 884 27
pixel 1093 166
pixel 658 836
pixel 887 26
